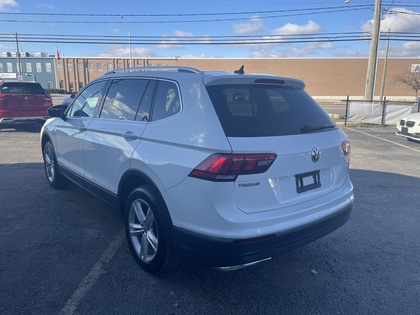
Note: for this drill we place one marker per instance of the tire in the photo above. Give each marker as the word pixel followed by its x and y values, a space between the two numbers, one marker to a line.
pixel 148 230
pixel 54 176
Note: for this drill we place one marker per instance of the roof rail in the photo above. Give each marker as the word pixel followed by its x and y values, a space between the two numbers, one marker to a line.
pixel 157 68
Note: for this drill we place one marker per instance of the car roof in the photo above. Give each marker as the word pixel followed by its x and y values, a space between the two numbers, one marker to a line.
pixel 19 82
pixel 209 77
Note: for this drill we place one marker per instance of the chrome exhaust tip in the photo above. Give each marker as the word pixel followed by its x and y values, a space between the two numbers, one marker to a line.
pixel 232 268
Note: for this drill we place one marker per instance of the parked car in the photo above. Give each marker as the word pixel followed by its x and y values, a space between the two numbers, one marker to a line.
pixel 409 127
pixel 199 176
pixel 23 102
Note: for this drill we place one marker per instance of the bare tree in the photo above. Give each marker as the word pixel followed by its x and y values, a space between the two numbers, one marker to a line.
pixel 410 79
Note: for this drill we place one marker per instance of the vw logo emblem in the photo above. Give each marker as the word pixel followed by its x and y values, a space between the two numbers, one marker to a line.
pixel 315 155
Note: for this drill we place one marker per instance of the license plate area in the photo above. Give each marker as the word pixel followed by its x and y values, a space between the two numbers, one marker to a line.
pixel 307 181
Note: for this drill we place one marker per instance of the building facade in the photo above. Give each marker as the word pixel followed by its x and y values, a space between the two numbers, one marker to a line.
pixel 31 67
pixel 324 77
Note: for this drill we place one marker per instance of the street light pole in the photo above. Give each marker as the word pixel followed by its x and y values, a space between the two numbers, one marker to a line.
pixel 373 54
pixel 129 40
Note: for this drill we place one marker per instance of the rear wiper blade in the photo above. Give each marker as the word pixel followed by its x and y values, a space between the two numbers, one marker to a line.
pixel 311 128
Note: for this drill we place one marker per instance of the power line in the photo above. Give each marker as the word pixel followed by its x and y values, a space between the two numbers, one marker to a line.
pixel 188 14
pixel 176 21
pixel 208 40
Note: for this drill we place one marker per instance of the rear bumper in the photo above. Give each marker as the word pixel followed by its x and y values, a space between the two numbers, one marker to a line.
pixel 12 120
pixel 212 252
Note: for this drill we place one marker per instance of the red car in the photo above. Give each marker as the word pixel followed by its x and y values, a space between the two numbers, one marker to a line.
pixel 23 102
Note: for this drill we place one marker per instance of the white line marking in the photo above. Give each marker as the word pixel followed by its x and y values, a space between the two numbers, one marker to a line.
pixel 367 134
pixel 92 276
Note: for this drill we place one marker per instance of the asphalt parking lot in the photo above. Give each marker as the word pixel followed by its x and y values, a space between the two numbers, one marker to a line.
pixel 64 252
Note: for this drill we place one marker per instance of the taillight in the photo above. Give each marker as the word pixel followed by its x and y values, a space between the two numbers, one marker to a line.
pixel 227 167
pixel 345 146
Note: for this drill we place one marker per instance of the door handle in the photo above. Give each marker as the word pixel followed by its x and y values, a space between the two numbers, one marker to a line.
pixel 129 135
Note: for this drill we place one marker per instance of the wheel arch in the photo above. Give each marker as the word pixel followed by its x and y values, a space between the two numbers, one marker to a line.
pixel 44 139
pixel 131 180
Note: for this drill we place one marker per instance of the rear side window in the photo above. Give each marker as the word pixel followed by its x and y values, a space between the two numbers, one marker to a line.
pixel 167 101
pixel 265 110
pixel 21 88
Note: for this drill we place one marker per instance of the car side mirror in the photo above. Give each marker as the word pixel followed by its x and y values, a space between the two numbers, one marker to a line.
pixel 58 111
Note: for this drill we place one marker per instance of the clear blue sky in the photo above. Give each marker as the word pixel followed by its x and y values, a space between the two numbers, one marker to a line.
pixel 163 28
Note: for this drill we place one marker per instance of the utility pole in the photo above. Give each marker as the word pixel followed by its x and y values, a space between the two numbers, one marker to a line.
pixel 18 57
pixel 373 54
pixel 385 66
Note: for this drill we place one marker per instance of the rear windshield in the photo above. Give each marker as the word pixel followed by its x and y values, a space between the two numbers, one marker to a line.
pixel 267 110
pixel 21 88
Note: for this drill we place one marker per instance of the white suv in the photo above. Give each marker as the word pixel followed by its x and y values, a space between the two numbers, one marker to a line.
pixel 213 168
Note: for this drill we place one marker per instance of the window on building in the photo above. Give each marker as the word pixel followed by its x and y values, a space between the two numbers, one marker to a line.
pixel 28 67
pixel 80 67
pixel 60 67
pixel 99 67
pixel 70 67
pixel 9 67
pixel 81 85
pixel 71 86
pixel 38 67
pixel 90 67
pixel 1 66
pixel 120 66
pixel 109 67
pixel 48 67
pixel 61 84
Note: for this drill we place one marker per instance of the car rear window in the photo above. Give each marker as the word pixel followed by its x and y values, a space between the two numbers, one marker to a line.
pixel 21 88
pixel 255 110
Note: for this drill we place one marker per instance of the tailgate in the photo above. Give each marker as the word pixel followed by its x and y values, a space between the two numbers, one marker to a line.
pixel 27 102
pixel 295 176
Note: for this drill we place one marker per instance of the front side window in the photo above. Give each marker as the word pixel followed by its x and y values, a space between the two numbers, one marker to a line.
pixel 123 99
pixel 257 110
pixel 167 101
pixel 85 103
